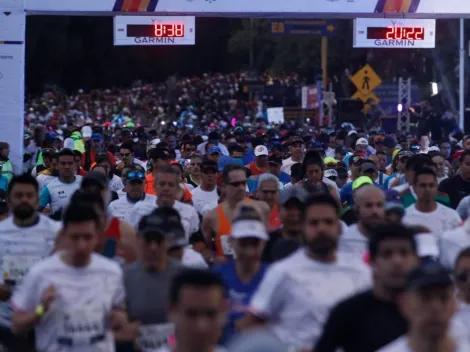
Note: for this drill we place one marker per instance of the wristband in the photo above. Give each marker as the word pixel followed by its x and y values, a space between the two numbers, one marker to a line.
pixel 40 310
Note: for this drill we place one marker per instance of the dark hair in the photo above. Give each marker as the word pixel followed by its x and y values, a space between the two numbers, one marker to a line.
pixel 464 154
pixel 48 153
pixel 126 146
pixel 78 212
pixel 228 169
pixel 196 278
pixel 464 253
pixel 166 212
pixel 235 148
pixel 297 171
pixel 76 153
pixel 322 199
pixel 391 231
pixel 24 179
pixel 88 198
pixel 247 212
pixel 380 153
pixel 65 152
pixel 313 161
pixel 419 161
pixel 424 171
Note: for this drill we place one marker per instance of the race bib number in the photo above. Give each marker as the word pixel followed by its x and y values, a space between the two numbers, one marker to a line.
pixel 82 326
pixel 156 336
pixel 226 246
pixel 15 267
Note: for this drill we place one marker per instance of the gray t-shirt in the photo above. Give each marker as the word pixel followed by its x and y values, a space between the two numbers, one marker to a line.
pixel 147 297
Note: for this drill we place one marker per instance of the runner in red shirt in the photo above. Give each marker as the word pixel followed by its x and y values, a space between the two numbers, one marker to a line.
pixel 260 165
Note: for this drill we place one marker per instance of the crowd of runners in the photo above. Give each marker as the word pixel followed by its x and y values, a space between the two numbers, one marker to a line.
pixel 140 224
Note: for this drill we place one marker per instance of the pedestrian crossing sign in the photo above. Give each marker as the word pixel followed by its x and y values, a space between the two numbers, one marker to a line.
pixel 366 80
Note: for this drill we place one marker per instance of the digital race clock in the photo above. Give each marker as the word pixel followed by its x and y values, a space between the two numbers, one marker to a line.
pixel 394 33
pixel 154 30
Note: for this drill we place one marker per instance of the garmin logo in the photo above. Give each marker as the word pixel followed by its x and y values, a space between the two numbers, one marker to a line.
pixel 6 57
pixel 394 43
pixel 143 40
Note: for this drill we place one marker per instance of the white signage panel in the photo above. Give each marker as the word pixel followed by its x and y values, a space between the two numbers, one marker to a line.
pixel 154 30
pixel 394 33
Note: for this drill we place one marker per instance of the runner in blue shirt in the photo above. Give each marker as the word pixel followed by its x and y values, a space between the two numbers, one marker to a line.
pixel 243 275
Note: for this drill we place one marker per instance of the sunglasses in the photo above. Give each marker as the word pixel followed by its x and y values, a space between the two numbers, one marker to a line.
pixel 237 183
pixel 462 276
pixel 135 175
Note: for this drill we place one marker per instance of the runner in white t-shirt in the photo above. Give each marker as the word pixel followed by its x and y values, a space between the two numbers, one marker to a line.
pixel 429 304
pixel 206 193
pixel 167 187
pixel 26 237
pixel 198 307
pixel 297 293
pixel 134 193
pixel 74 297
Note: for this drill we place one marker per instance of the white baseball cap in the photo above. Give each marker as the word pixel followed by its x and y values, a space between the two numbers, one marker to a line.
pixel 249 229
pixel 261 150
pixel 331 173
pixel 362 141
pixel 86 132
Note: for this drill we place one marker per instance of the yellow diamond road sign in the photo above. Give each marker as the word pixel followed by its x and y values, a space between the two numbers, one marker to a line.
pixel 366 80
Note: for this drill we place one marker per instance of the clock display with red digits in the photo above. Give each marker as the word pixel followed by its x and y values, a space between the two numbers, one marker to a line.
pixel 158 30
pixel 396 33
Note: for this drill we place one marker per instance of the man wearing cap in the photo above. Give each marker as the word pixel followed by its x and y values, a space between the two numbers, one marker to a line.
pixel 92 149
pixel 268 192
pixel 390 145
pixel 402 158
pixel 369 206
pixel 361 145
pixel 295 149
pixel 369 168
pixel 275 163
pixel 429 305
pixel 160 159
pixel 214 153
pixel 206 193
pixel 243 275
pixel 260 164
pixel 147 281
pixel 355 162
pixel 134 184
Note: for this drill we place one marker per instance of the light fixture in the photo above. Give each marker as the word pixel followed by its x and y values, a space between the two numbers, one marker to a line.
pixel 400 107
pixel 434 88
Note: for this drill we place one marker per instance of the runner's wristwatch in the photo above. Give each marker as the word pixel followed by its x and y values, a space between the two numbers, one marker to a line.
pixel 40 310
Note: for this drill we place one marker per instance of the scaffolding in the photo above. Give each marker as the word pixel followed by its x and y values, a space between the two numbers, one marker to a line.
pixel 404 99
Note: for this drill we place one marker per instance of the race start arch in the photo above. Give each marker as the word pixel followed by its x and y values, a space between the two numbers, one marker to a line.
pixel 13 23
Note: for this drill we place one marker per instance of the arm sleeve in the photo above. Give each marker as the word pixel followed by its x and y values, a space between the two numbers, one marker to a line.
pixel 267 301
pixel 120 293
pixel 44 197
pixel 332 337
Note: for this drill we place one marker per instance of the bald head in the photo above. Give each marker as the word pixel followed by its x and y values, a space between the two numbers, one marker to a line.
pixel 370 205
pixel 368 191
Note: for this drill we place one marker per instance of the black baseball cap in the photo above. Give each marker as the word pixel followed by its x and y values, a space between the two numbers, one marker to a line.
pixel 96 179
pixel 272 159
pixel 430 275
pixel 209 165
pixel 342 172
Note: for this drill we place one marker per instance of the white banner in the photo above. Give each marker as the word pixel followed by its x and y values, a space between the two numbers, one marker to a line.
pixel 255 7
pixel 11 5
pixel 12 51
